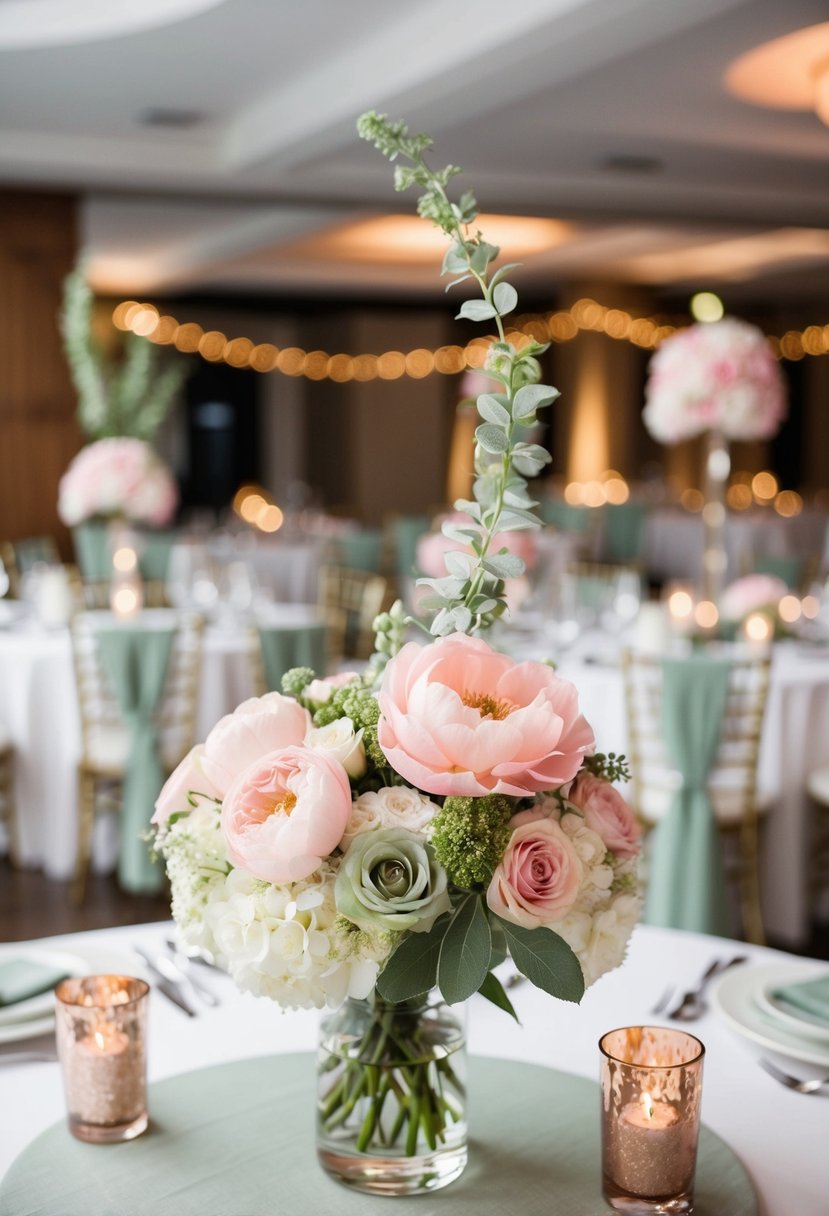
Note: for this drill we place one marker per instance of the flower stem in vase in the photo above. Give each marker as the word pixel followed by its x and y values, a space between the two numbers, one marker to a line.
pixel 715 558
pixel 391 1109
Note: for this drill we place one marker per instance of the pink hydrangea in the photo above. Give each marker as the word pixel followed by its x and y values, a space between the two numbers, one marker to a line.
pixel 720 375
pixel 753 593
pixel 457 717
pixel 122 477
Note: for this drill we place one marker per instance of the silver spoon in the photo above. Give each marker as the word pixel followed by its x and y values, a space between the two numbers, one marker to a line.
pixel 795 1083
pixel 692 1004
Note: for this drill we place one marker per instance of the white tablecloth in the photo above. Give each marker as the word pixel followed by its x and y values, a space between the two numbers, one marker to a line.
pixel 780 1136
pixel 38 709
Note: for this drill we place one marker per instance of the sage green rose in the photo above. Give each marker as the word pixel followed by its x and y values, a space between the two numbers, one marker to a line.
pixel 391 880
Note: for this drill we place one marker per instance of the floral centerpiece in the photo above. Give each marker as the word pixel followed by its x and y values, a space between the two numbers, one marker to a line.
pixel 375 837
pixel 721 376
pixel 117 479
pixel 720 379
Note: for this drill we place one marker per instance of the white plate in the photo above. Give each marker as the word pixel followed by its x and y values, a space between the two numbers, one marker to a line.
pixel 83 960
pixel 735 998
pixel 784 1014
pixel 43 1004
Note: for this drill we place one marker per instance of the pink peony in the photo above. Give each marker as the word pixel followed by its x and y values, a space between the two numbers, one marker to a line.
pixel 117 477
pixel 256 727
pixel 285 813
pixel 754 593
pixel 433 547
pixel 321 691
pixel 538 878
pixel 606 813
pixel 459 718
pixel 187 777
pixel 718 375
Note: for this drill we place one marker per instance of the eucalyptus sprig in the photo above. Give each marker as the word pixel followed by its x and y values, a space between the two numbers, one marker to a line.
pixel 126 397
pixel 471 596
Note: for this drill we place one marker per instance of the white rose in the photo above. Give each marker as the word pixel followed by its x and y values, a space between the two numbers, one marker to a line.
pixel 342 743
pixel 394 806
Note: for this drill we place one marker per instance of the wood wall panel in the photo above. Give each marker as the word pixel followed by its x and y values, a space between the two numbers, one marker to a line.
pixel 38 434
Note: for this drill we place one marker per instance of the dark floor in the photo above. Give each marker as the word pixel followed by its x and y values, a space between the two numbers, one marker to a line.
pixel 32 905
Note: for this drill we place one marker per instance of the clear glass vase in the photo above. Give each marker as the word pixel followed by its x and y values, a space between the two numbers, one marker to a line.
pixel 391 1106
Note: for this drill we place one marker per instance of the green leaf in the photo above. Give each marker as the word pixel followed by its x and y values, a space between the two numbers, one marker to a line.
pixel 546 960
pixel 492 439
pixel 462 618
pixel 493 990
pixel 499 944
pixel 504 565
pixel 464 951
pixel 531 398
pixel 459 565
pixel 457 282
pixel 476 310
pixel 413 967
pixel 490 408
pixel 463 536
pixel 482 255
pixel 505 298
pixel 455 260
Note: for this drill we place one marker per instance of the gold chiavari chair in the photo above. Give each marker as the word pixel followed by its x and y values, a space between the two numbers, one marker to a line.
pixel 732 780
pixel 350 600
pixel 7 808
pixel 104 736
pixel 95 593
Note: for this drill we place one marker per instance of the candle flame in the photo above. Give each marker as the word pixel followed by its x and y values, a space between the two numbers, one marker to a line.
pixel 647 1105
pixel 100 1040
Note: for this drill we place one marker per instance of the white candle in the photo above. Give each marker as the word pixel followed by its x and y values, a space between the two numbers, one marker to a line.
pixel 652 1153
pixel 104 1077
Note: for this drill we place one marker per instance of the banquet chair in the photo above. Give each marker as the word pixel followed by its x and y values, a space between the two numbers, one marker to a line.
pixel 731 783
pixel 818 788
pixel 350 600
pixel 273 649
pixel 8 564
pixel 7 810
pixel 105 738
pixel 95 593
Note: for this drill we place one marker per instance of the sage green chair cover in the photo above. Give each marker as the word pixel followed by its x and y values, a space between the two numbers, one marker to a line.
pixel 787 566
pixel 565 517
pixel 155 548
pixel 686 883
pixel 406 531
pixel 624 531
pixel 91 541
pixel 361 550
pixel 282 649
pixel 34 549
pixel 136 662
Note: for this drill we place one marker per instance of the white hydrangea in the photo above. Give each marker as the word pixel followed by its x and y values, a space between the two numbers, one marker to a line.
pixel 288 942
pixel 394 806
pixel 193 847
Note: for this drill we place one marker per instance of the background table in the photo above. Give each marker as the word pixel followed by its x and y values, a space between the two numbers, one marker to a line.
pixel 38 708
pixel 780 1136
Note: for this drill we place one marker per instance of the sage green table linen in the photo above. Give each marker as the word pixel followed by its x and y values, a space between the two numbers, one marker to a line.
pixel 136 661
pixel 686 881
pixel 810 996
pixel 154 549
pixel 624 531
pixel 297 646
pixel 238 1140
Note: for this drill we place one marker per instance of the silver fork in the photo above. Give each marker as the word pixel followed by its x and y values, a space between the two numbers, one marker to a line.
pixel 795 1083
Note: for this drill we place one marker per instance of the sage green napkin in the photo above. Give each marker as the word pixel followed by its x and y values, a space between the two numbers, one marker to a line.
pixel 299 646
pixel 811 996
pixel 686 883
pixel 21 978
pixel 136 661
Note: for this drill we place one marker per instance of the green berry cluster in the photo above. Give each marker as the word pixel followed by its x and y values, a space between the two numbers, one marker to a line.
pixel 610 766
pixel 469 836
pixel 295 681
pixel 358 703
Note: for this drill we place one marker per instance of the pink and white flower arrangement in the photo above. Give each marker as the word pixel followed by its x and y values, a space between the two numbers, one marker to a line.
pixel 720 375
pixel 313 834
pixel 752 593
pixel 117 477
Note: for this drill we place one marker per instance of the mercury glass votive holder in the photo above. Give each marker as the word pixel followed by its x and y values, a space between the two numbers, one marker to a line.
pixel 651 1084
pixel 101 1029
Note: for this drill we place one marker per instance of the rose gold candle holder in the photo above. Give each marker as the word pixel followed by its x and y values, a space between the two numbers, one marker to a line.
pixel 651 1080
pixel 101 1039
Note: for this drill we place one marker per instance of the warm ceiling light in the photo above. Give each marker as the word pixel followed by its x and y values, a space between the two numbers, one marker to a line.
pixel 789 73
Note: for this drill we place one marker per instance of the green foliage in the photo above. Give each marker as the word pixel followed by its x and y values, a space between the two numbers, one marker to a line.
pixel 357 702
pixel 295 681
pixel 465 951
pixel 493 990
pixel 413 967
pixel 128 397
pixel 389 637
pixel 471 597
pixel 546 960
pixel 610 767
pixel 469 836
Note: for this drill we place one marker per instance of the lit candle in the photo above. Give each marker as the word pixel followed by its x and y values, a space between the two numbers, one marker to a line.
pixel 757 628
pixel 681 609
pixel 651 1088
pixel 100 1037
pixel 126 598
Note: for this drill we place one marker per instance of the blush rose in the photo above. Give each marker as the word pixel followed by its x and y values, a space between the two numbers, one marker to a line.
pixel 538 878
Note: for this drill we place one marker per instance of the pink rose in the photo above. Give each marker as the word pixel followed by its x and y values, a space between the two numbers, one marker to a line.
pixel 538 878
pixel 285 813
pixel 606 813
pixel 187 777
pixel 459 718
pixel 256 727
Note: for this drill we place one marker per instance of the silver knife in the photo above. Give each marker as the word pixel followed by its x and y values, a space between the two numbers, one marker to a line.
pixel 170 988
pixel 183 966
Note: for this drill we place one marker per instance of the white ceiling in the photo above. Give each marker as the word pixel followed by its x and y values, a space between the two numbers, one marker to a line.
pixel 533 100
